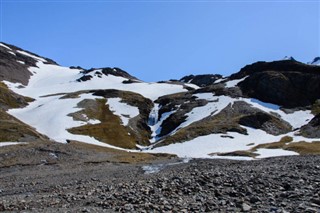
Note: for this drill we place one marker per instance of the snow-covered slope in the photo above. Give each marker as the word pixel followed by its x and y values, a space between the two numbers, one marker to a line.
pixel 108 107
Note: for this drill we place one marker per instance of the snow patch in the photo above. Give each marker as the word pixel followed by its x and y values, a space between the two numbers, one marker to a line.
pixel 202 146
pixel 156 123
pixel 49 116
pixel 295 119
pixel 5 46
pixel 11 143
pixel 266 153
pixel 217 104
pixel 21 62
pixel 219 80
pixel 123 110
pixel 31 56
pixel 234 83
pixel 53 79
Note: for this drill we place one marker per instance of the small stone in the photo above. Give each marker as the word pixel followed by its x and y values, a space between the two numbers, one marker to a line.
pixel 246 207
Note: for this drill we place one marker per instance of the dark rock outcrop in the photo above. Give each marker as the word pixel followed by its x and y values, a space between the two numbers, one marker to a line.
pixel 201 80
pixel 139 124
pixel 229 119
pixel 312 129
pixel 286 83
pixel 107 71
pixel 181 103
pixel 266 122
pixel 14 71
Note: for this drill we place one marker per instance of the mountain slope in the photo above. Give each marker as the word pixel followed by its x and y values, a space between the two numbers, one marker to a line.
pixel 262 103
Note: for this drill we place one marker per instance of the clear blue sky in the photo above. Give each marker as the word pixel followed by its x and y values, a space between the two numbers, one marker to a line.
pixel 160 40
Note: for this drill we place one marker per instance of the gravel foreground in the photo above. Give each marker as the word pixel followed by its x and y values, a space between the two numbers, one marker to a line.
pixel 284 184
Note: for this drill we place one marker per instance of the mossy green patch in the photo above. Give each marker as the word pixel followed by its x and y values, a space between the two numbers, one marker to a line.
pixel 286 143
pixel 109 131
pixel 9 99
pixel 304 148
pixel 11 129
pixel 274 145
pixel 119 156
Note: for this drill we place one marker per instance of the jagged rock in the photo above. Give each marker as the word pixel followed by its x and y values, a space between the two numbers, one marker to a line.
pixel 266 122
pixel 228 120
pixel 14 71
pixel 246 207
pixel 312 129
pixel 85 78
pixel 286 83
pixel 182 103
pixel 201 80
pixel 109 71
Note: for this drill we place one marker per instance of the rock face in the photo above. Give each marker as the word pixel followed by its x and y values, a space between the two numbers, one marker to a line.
pixel 88 74
pixel 14 64
pixel 312 129
pixel 229 120
pixel 180 104
pixel 285 83
pixel 266 122
pixel 201 80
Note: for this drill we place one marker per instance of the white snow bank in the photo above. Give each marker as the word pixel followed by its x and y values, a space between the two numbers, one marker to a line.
pixel 296 119
pixel 201 146
pixel 49 116
pixel 265 153
pixel 155 122
pixel 123 110
pixel 52 79
pixel 217 104
pixel 234 83
pixel 5 46
pixel 11 143
pixel 31 56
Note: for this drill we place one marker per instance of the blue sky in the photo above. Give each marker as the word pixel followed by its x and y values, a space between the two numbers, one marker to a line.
pixel 160 40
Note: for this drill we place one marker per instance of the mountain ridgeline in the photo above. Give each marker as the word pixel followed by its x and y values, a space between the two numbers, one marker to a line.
pixel 197 116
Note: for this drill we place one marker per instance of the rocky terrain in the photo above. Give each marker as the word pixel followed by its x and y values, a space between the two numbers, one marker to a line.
pixel 90 140
pixel 57 180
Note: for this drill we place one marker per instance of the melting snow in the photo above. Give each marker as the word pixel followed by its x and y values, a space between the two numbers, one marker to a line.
pixel 296 119
pixel 123 110
pixel 49 116
pixel 11 143
pixel 31 56
pixel 5 46
pixel 234 83
pixel 53 79
pixel 214 107
pixel 202 146
pixel 155 123
pixel 265 153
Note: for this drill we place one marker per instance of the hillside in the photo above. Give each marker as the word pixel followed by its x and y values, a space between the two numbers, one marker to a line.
pixel 265 109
